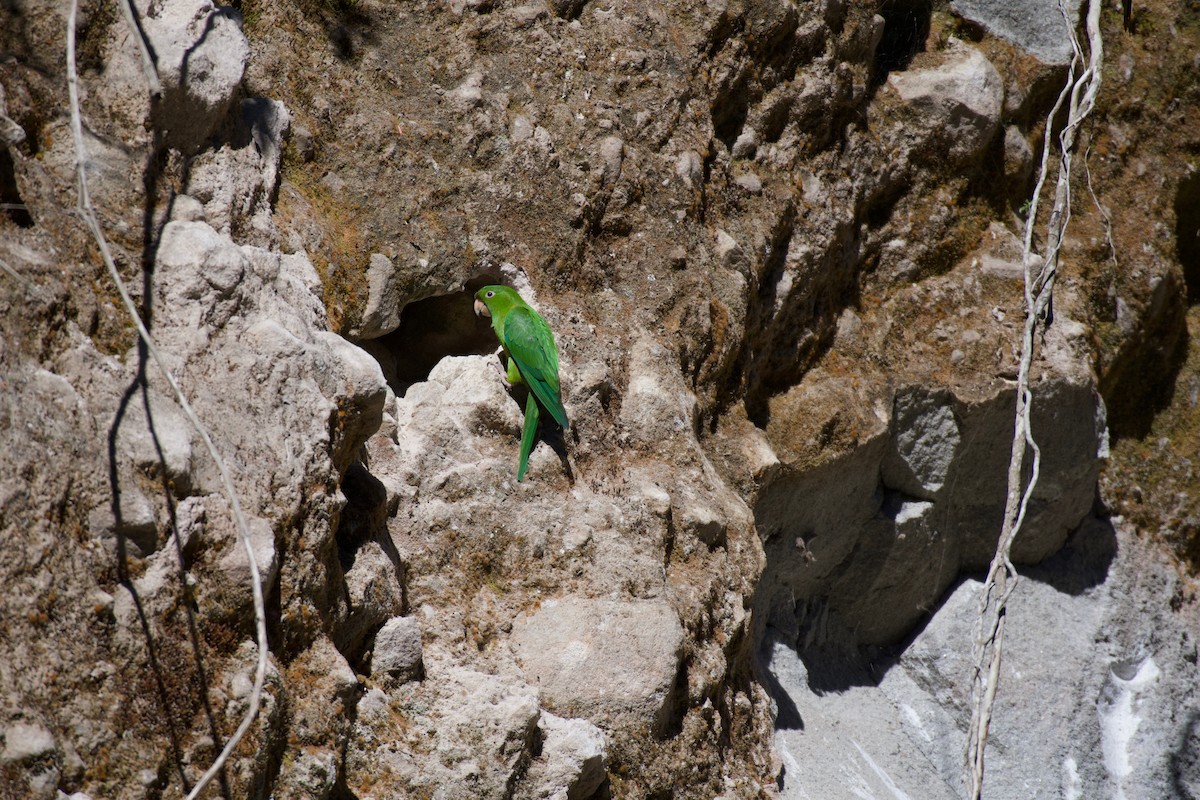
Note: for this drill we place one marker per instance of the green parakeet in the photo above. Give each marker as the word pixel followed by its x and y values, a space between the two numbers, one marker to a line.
pixel 532 358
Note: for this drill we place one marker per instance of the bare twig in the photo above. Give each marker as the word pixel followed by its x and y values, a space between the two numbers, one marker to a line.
pixel 1080 95
pixel 16 276
pixel 89 216
pixel 135 30
pixel 1104 215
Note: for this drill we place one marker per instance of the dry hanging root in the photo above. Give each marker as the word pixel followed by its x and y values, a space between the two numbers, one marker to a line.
pixel 89 217
pixel 1079 96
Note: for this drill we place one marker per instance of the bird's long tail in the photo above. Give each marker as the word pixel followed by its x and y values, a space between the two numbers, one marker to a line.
pixel 527 434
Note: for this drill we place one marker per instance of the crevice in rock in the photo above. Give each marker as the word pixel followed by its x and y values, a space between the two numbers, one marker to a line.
pixel 363 544
pixel 1187 234
pixel 793 315
pixel 730 110
pixel 1140 381
pixel 430 330
pixel 676 706
pixel 11 202
pixel 905 29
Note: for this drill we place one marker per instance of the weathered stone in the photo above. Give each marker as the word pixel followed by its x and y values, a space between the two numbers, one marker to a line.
pixel 235 562
pixel 1038 26
pixel 1018 159
pixel 382 312
pixel 397 650
pixel 1115 736
pixel 612 154
pixel 926 442
pixel 481 729
pixel 25 741
pixel 236 182
pixel 571 765
pixel 750 182
pixel 200 54
pixel 602 659
pixel 1002 254
pixel 132 522
pixel 961 100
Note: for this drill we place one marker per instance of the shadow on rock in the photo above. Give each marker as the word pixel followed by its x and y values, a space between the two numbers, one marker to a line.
pixel 1083 562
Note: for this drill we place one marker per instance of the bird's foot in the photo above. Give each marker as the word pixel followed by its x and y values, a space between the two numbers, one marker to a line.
pixel 503 373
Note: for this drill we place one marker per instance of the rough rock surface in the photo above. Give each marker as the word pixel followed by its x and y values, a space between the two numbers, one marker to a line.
pixel 778 245
pixel 1037 26
pixel 1117 733
pixel 591 658
pixel 959 100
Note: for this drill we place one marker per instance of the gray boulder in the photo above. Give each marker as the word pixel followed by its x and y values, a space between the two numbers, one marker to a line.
pixel 397 652
pixel 1037 26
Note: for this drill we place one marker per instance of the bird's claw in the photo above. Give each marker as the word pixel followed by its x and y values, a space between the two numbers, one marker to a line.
pixel 503 373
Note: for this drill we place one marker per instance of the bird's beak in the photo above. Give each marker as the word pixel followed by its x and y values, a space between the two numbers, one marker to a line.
pixel 481 310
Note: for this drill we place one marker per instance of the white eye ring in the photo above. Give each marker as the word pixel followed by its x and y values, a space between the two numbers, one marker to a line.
pixel 491 294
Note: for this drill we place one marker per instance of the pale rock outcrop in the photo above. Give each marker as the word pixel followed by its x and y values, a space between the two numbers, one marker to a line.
pixel 960 100
pixel 571 765
pixel 25 741
pixel 31 747
pixel 381 314
pixel 479 729
pixel 237 182
pixel 200 54
pixel 926 443
pixel 1074 616
pixel 396 653
pixel 602 658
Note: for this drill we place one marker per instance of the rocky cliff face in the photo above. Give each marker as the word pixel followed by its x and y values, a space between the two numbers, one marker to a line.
pixel 778 245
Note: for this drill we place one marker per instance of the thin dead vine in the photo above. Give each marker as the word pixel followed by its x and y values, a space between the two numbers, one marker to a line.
pixel 1079 94
pixel 87 212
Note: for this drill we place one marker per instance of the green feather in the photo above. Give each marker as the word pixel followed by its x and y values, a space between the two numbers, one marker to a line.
pixel 533 359
pixel 527 432
pixel 529 342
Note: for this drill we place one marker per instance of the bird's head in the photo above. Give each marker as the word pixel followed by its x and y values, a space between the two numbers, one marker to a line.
pixel 492 300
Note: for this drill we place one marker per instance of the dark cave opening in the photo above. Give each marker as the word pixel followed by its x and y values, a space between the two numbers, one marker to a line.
pixel 906 27
pixel 10 196
pixel 430 330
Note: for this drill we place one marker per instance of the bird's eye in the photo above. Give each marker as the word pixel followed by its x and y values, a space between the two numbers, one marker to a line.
pixel 491 294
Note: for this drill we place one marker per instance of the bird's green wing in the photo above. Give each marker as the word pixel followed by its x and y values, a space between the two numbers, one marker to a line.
pixel 527 432
pixel 529 342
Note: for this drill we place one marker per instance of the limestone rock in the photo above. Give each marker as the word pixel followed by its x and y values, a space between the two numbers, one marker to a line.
pixel 24 741
pixel 382 313
pixel 236 182
pixel 601 659
pixel 926 440
pixel 480 728
pixel 201 56
pixel 1035 25
pixel 571 765
pixel 397 650
pixel 657 400
pixel 961 100
pixel 1114 736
